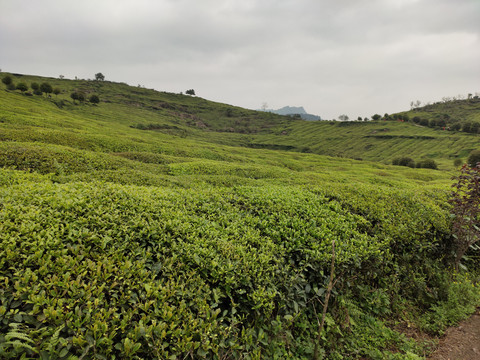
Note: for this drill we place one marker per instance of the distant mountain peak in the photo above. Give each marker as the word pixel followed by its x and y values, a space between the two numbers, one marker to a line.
pixel 295 110
pixel 289 110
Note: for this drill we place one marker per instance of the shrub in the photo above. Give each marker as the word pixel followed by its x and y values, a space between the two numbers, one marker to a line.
pixel 94 99
pixel 11 86
pixel 56 91
pixel 7 80
pixel 22 87
pixel 427 164
pixel 467 127
pixel 455 126
pixel 474 158
pixel 458 162
pixel 404 161
pixel 34 86
pixel 77 96
pixel 465 199
pixel 423 122
pixel 475 128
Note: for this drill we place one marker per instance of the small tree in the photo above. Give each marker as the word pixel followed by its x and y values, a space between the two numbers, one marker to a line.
pixel 22 87
pixel 190 92
pixel 376 117
pixel 99 77
pixel 46 88
pixel 56 91
pixel 35 86
pixel 465 199
pixel 7 80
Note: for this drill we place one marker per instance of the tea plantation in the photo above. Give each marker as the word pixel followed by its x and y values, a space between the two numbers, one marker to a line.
pixel 175 241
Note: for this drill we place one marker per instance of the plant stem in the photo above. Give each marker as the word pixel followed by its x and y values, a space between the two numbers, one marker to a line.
pixel 325 304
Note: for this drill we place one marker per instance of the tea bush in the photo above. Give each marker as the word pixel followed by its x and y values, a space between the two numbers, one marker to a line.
pixel 98 269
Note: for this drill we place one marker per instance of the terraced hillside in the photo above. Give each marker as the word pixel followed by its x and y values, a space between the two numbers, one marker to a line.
pixel 156 225
pixel 150 115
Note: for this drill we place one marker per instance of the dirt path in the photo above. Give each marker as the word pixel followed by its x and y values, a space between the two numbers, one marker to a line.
pixel 461 342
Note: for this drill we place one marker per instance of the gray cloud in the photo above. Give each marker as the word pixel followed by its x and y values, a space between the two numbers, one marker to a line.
pixel 333 57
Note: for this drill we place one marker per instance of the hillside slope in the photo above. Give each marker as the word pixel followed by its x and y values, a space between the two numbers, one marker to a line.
pixel 156 225
pixel 149 114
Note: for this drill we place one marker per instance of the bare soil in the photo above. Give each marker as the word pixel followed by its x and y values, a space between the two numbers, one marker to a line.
pixel 461 342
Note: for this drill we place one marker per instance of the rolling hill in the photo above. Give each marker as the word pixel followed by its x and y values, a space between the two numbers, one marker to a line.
pixel 195 119
pixel 160 225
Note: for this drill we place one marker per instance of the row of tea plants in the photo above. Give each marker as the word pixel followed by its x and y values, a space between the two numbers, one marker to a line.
pixel 103 270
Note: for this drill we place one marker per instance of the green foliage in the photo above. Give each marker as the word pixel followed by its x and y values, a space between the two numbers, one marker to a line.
pixel 249 256
pixel 76 95
pixel 16 342
pixel 94 99
pixel 22 87
pixel 7 80
pixel 99 77
pixel 46 88
pixel 427 164
pixel 166 226
pixel 190 92
pixel 474 158
pixel 462 296
pixel 404 161
pixel 465 200
pixel 35 86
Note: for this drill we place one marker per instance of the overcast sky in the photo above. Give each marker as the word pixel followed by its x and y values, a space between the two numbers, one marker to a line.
pixel 354 57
